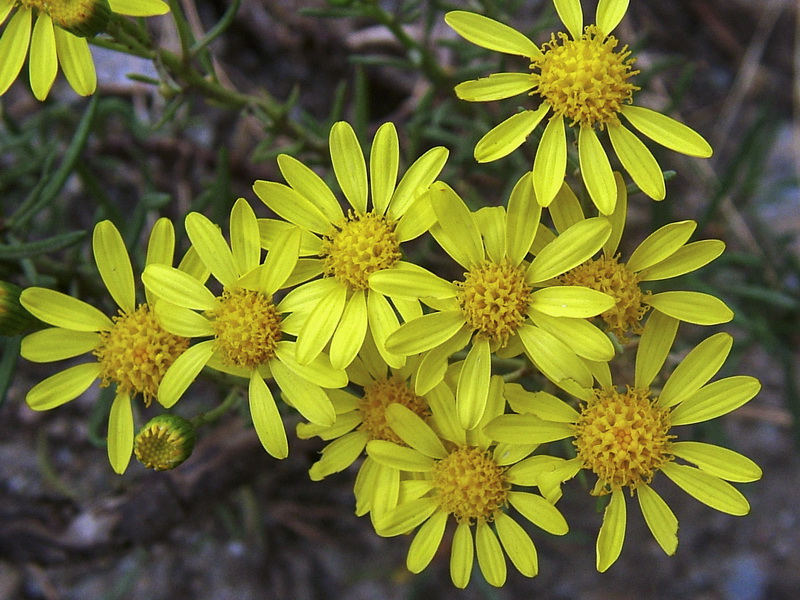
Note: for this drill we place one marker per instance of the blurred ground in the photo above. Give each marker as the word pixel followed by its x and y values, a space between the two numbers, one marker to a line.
pixel 235 524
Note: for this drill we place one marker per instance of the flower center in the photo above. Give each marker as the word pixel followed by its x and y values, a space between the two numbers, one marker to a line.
pixel 83 18
pixel 607 275
pixel 585 79
pixel 470 485
pixel 494 299
pixel 623 438
pixel 164 442
pixel 136 352
pixel 377 397
pixel 247 327
pixel 359 246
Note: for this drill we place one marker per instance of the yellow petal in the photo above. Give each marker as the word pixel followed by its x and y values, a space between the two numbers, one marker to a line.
pixel 426 542
pixel 62 387
pixel 266 418
pixel 571 301
pixel 462 555
pixel 349 166
pixel 139 8
pixel 76 62
pixel 182 321
pixel 161 243
pixel 685 260
pixel 292 206
pixel 399 457
pixel 473 384
pixel 517 544
pixel 183 372
pixel 14 46
pixel 617 217
pixel 708 489
pixel 61 310
pixel 574 246
pixel 177 287
pixel 509 135
pixel 659 518
pixel 462 240
pixel 281 261
pixel 55 343
pixel 490 555
pixel 414 184
pixel 408 281
pixel 566 209
pixel 596 171
pixel 526 429
pixel 212 248
pixel 720 462
pixel 43 60
pixel 321 324
pixel 553 357
pixel 308 398
pixel 349 335
pixel 114 265
pixel 310 186
pixel 612 532
pixel 579 335
pixel 522 220
pixel 660 245
pixel 550 163
pixel 120 433
pixel 716 399
pixel 654 345
pixel 571 14
pixel 609 14
pixel 382 323
pixel 694 371
pixel 495 87
pixel 245 237
pixel 667 131
pixel 338 455
pixel 383 162
pixel 692 307
pixel 490 34
pixel 539 512
pixel 638 161
pixel 414 431
pixel 427 332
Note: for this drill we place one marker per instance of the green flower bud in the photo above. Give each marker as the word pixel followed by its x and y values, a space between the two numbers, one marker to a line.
pixel 164 442
pixel 84 18
pixel 14 319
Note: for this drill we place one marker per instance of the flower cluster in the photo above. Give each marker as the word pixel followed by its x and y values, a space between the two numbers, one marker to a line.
pixel 445 394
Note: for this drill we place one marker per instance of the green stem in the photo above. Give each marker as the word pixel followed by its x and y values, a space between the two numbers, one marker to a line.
pixel 216 413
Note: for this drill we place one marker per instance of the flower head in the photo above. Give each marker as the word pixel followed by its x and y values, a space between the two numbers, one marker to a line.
pixel 349 248
pixel 244 327
pixel 56 31
pixel 470 477
pixel 627 437
pixel 581 80
pixel 132 351
pixel 664 254
pixel 502 304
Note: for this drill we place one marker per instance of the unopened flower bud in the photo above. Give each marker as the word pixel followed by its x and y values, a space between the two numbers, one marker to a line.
pixel 164 442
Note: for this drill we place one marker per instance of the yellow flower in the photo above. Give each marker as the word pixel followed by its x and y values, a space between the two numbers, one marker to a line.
pixel 246 327
pixel 627 437
pixel 497 306
pixel 662 255
pixel 361 418
pixel 582 81
pixel 54 30
pixel 132 350
pixel 469 476
pixel 343 305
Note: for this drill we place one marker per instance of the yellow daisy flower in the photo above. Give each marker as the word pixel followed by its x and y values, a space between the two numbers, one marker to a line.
pixel 341 306
pixel 361 418
pixel 246 326
pixel 131 350
pixel 498 304
pixel 56 32
pixel 627 437
pixel 582 81
pixel 662 255
pixel 466 475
